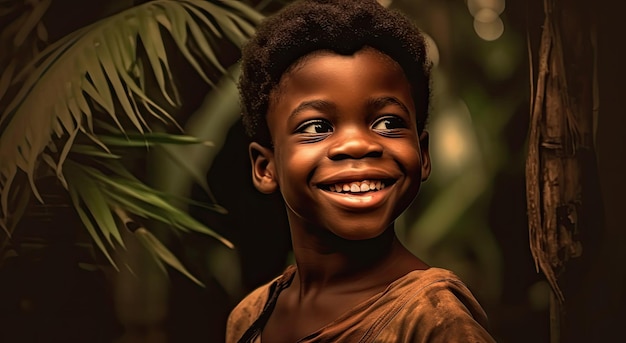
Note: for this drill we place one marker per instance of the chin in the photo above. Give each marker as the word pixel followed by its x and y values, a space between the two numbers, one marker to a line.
pixel 359 234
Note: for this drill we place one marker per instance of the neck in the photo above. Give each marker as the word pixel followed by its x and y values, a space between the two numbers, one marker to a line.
pixel 329 262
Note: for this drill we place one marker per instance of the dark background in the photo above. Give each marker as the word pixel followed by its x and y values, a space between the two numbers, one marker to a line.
pixel 482 86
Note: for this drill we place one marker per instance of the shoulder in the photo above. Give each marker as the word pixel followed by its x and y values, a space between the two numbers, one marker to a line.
pixel 250 307
pixel 434 305
pixel 444 291
pixel 246 312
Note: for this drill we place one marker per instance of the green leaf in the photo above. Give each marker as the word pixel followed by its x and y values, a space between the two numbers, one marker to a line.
pixel 96 60
pixel 150 35
pixel 83 180
pixel 223 19
pixel 138 207
pixel 177 24
pixel 150 139
pixel 96 68
pixel 203 43
pixel 251 14
pixel 6 78
pixel 63 156
pixel 90 150
pixel 104 50
pixel 149 202
pixel 34 17
pixel 76 200
pixel 163 253
pixel 98 87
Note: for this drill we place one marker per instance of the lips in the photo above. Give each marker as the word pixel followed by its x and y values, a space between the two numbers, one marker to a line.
pixel 353 187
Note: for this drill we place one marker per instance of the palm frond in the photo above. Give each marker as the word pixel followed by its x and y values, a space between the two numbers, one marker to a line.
pixel 97 63
pixel 97 196
pixel 161 253
pixel 150 139
pixel 20 38
pixel 96 70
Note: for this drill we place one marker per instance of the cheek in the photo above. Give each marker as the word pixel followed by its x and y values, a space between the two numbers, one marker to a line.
pixel 408 155
pixel 293 168
pixel 300 158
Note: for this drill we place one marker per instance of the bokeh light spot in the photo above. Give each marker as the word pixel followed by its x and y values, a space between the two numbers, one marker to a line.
pixel 489 31
pixel 486 15
pixel 474 6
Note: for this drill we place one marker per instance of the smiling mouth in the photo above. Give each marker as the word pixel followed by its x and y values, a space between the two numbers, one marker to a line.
pixel 358 186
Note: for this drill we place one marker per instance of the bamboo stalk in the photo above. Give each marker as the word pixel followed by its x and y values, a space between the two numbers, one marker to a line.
pixel 555 318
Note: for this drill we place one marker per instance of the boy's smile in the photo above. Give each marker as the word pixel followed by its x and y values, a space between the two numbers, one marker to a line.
pixel 357 189
pixel 346 155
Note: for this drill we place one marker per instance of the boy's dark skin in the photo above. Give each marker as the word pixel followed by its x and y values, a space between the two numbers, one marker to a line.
pixel 338 120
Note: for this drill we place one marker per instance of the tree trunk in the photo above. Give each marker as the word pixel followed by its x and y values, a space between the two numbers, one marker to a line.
pixel 574 169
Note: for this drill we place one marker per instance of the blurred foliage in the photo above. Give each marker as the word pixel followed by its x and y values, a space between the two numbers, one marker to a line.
pixel 54 112
pixel 80 110
pixel 469 217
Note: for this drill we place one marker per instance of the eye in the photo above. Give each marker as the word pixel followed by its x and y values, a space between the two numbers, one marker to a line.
pixel 388 123
pixel 315 126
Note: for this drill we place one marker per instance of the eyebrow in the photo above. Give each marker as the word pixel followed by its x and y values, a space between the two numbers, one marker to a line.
pixel 320 105
pixel 379 103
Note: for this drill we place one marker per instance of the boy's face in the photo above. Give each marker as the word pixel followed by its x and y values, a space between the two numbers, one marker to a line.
pixel 347 157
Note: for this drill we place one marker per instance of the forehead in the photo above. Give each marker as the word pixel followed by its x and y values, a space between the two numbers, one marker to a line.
pixel 322 65
pixel 342 87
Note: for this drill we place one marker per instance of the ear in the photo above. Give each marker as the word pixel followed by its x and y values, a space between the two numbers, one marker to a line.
pixel 263 172
pixel 425 152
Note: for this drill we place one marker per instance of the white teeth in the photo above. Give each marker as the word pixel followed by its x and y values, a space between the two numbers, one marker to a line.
pixel 357 187
pixel 354 187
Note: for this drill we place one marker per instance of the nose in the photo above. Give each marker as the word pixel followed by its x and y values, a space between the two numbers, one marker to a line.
pixel 354 143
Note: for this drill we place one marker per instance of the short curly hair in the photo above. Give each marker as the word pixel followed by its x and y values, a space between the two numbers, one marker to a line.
pixel 341 26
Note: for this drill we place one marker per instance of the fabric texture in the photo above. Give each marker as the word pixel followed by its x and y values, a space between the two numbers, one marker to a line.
pixel 431 305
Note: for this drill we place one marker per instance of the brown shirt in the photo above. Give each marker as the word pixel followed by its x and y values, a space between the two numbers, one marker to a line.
pixel 431 305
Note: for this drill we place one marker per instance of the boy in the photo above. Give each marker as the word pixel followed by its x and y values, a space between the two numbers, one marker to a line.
pixel 336 95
